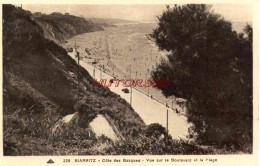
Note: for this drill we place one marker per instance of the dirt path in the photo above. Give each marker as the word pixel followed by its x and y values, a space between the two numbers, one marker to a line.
pixel 100 126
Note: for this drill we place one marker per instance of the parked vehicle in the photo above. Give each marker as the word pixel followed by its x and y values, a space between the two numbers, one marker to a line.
pixel 126 90
pixel 70 49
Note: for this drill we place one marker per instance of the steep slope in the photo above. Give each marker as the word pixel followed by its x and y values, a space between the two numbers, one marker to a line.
pixel 40 87
pixel 59 27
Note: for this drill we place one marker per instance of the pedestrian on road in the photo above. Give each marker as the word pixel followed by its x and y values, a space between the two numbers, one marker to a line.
pixel 177 111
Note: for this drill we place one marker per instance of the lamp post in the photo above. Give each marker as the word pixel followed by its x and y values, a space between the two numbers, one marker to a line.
pixel 77 56
pixel 167 117
pixel 167 114
pixel 78 74
pixel 130 88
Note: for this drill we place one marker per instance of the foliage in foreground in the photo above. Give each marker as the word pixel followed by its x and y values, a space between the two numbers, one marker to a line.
pixel 25 134
pixel 75 140
pixel 211 66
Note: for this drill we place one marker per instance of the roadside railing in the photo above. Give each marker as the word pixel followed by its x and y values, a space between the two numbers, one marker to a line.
pixel 153 98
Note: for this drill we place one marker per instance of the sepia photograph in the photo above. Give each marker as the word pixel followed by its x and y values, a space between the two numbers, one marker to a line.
pixel 127 79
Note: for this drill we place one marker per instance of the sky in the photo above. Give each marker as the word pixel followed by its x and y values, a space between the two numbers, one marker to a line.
pixel 141 13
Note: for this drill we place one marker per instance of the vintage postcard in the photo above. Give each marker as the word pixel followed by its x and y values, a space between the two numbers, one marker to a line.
pixel 129 83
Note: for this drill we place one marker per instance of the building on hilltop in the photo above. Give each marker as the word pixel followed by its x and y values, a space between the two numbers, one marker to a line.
pixel 56 13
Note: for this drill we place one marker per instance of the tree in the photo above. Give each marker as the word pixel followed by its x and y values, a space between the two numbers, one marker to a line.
pixel 155 130
pixel 211 66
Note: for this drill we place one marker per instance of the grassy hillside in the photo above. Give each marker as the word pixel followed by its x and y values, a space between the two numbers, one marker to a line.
pixel 59 27
pixel 40 87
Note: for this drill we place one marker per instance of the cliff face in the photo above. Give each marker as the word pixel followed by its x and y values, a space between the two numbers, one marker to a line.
pixel 59 27
pixel 40 87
